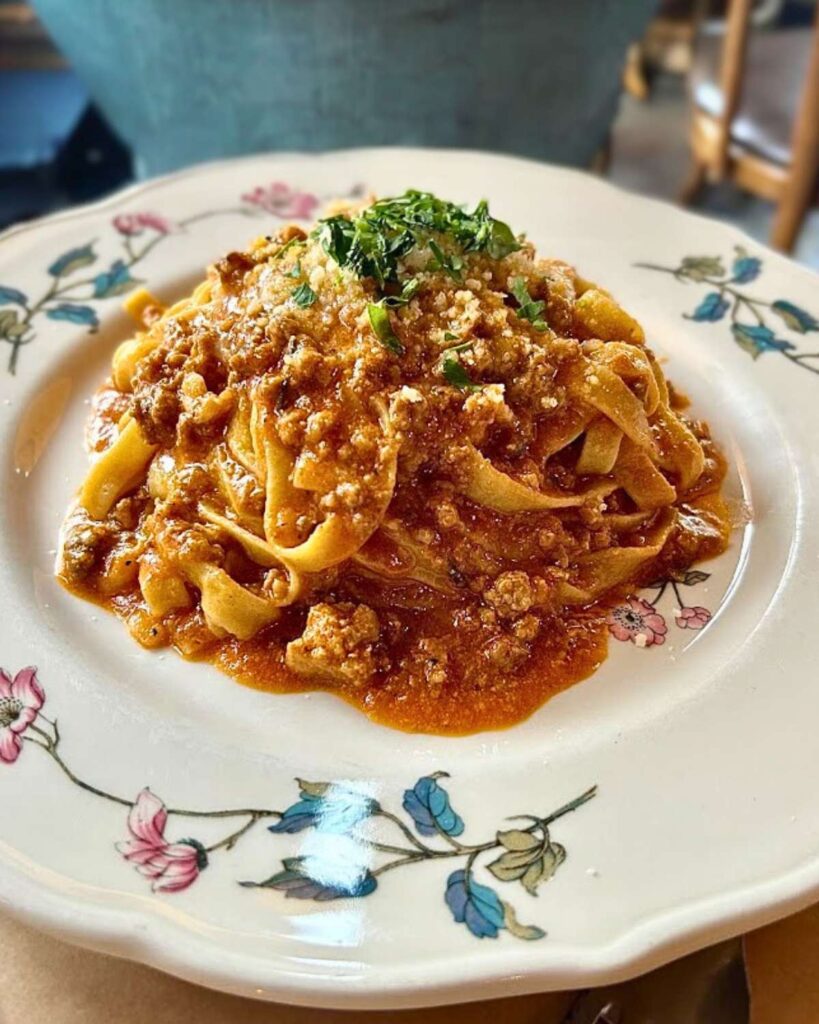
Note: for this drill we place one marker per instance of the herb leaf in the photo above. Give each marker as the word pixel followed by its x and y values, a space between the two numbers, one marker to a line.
pixel 407 294
pixel 373 242
pixel 382 328
pixel 287 245
pixel 303 295
pixel 296 271
pixel 451 264
pixel 454 371
pixel 528 308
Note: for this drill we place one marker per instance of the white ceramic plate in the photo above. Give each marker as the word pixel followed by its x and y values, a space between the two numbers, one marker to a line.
pixel 701 741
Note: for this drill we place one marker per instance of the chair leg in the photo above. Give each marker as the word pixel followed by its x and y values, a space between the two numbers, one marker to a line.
pixel 804 171
pixel 634 73
pixel 693 184
pixel 788 220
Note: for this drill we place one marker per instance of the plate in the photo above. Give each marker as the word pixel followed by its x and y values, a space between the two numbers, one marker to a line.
pixel 289 848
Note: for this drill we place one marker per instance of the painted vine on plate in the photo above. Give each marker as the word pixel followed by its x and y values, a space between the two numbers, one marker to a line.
pixel 73 297
pixel 755 322
pixel 374 840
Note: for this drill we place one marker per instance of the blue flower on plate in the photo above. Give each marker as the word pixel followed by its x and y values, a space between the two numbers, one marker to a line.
pixel 428 805
pixel 73 260
pixel 327 807
pixel 74 314
pixel 477 906
pixel 745 268
pixel 9 295
pixel 297 882
pixel 115 281
pixel 713 307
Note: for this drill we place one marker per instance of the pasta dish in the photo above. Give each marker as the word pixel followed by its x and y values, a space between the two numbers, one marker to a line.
pixel 401 457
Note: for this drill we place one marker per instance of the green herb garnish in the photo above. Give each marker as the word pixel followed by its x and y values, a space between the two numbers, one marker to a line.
pixel 303 295
pixel 456 375
pixel 450 263
pixel 382 328
pixel 287 245
pixel 372 243
pixel 528 308
pixel 296 271
pixel 449 336
pixel 407 292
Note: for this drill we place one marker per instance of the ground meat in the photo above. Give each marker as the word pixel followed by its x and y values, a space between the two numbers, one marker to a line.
pixel 506 652
pixel 514 592
pixel 84 543
pixel 233 267
pixel 435 654
pixel 337 644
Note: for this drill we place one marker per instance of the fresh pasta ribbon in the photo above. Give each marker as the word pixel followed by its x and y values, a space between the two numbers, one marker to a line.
pixel 118 470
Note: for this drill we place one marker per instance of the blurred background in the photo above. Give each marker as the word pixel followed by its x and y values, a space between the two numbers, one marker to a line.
pixel 714 103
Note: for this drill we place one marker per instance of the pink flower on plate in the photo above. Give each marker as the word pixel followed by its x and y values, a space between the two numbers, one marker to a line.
pixel 135 223
pixel 20 700
pixel 692 618
pixel 639 622
pixel 170 866
pixel 282 201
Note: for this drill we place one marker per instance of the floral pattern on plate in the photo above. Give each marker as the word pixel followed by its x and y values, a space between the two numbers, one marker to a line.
pixel 526 855
pixel 755 322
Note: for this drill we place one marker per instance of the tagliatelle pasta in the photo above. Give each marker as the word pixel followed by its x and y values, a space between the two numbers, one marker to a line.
pixel 401 457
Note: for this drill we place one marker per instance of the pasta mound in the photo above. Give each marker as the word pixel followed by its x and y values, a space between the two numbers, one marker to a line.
pixel 401 454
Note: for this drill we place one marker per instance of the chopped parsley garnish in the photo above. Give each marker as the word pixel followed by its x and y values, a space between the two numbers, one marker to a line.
pixel 287 245
pixel 456 375
pixel 407 292
pixel 450 263
pixel 296 271
pixel 528 308
pixel 303 295
pixel 454 371
pixel 382 328
pixel 372 243
pixel 449 336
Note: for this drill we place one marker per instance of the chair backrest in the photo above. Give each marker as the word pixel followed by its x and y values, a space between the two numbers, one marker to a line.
pixel 732 72
pixel 731 75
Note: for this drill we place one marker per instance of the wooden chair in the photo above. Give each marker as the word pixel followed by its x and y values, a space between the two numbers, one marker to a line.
pixel 756 116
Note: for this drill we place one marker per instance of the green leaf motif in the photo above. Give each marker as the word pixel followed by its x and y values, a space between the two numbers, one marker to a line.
pixel 517 840
pixel 794 317
pixel 544 868
pixel 529 932
pixel 73 260
pixel 693 577
pixel 698 268
pixel 315 789
pixel 11 327
pixel 527 859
